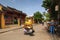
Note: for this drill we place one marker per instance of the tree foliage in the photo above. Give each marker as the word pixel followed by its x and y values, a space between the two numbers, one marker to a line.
pixel 46 4
pixel 38 15
pixel 47 15
pixel 50 4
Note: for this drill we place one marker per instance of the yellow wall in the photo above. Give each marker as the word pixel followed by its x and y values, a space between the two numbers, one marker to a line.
pixel 2 21
pixel 18 22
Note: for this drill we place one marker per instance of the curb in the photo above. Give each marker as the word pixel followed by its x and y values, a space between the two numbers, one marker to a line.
pixel 9 30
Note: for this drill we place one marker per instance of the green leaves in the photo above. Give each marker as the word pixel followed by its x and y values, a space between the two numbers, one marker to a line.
pixel 47 15
pixel 37 15
pixel 46 4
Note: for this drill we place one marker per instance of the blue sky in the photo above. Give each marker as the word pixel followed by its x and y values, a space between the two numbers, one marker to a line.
pixel 27 6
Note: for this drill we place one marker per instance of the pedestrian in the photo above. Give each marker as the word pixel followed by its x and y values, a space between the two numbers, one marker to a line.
pixel 48 25
pixel 42 22
pixel 56 23
pixel 52 26
pixel 56 26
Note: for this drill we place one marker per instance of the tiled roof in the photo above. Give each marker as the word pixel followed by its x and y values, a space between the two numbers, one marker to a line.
pixel 12 9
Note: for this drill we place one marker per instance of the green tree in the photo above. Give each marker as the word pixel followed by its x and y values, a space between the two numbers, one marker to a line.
pixel 50 4
pixel 47 16
pixel 38 16
pixel 46 4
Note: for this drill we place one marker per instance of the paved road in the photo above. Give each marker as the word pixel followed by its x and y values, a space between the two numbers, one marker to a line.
pixel 40 34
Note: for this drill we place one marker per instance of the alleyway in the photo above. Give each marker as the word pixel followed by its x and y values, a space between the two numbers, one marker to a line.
pixel 40 34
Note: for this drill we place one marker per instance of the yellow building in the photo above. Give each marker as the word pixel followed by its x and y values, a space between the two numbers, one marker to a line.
pixel 10 17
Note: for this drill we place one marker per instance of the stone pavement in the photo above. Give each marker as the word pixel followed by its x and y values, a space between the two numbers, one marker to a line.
pixel 9 29
pixel 40 34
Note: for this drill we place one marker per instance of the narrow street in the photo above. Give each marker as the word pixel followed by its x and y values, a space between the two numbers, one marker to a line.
pixel 40 34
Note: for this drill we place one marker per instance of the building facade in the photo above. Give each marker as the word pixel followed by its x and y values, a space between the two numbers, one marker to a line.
pixel 10 17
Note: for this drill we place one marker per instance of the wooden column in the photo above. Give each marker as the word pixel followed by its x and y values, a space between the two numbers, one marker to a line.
pixel 2 21
pixel 18 22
